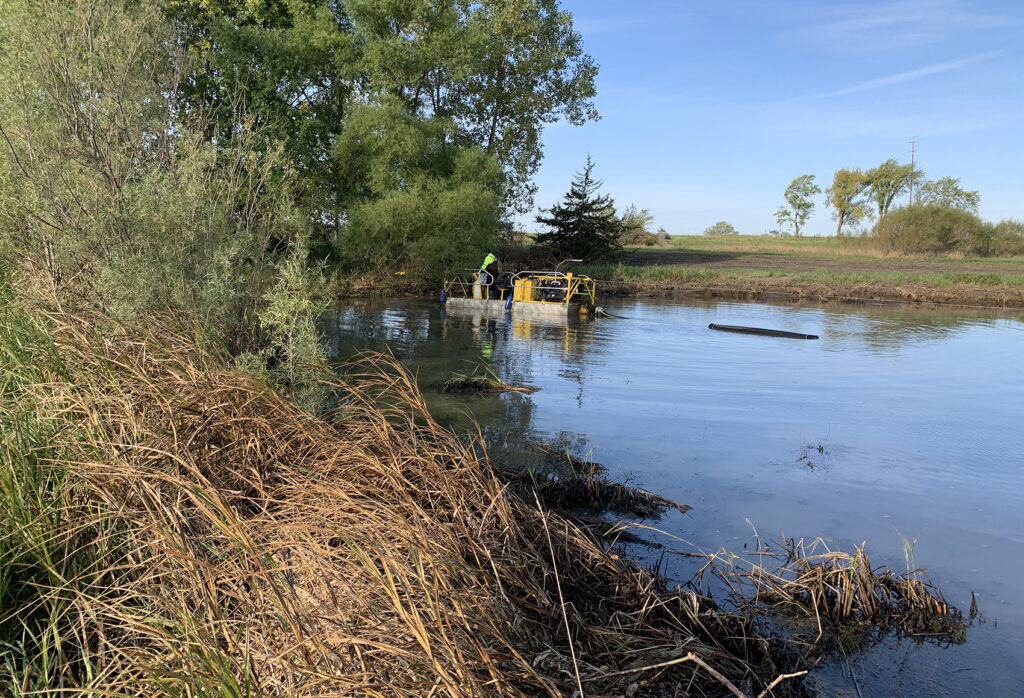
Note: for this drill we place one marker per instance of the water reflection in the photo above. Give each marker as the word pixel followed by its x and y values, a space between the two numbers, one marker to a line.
pixel 918 414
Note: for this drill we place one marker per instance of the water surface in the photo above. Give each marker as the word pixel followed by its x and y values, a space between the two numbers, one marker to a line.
pixel 898 424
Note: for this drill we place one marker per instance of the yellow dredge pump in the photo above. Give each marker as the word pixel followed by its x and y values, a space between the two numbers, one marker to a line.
pixel 554 288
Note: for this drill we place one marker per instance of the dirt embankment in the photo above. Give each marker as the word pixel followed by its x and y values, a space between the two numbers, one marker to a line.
pixel 794 289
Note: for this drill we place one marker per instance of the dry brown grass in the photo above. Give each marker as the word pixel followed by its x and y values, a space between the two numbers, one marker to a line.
pixel 841 592
pixel 240 545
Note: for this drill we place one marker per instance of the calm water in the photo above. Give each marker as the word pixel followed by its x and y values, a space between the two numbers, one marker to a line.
pixel 919 416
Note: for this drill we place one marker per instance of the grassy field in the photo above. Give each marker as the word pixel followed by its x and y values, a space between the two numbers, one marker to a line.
pixel 844 269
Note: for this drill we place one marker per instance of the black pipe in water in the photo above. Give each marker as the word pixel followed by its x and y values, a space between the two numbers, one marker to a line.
pixel 761 331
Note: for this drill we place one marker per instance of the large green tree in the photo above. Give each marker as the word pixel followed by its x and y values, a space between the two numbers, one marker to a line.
pixel 492 74
pixel 847 197
pixel 889 181
pixel 946 191
pixel 584 224
pixel 799 204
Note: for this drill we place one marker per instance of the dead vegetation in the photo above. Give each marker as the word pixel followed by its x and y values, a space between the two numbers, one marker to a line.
pixel 845 599
pixel 463 384
pixel 203 534
pixel 573 484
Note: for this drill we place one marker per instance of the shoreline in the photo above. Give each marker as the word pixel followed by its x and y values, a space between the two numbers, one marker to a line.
pixel 905 294
pixel 767 289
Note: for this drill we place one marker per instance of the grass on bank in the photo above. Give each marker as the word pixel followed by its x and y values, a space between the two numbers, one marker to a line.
pixel 660 274
pixel 846 246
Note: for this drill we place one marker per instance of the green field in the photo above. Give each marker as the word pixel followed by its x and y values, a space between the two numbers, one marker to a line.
pixel 822 268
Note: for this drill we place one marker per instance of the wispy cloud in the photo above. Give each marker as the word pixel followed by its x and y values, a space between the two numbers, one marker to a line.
pixel 900 25
pixel 900 78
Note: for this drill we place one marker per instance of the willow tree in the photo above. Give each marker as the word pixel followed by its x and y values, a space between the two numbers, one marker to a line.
pixel 116 196
pixel 946 191
pixel 847 197
pixel 889 181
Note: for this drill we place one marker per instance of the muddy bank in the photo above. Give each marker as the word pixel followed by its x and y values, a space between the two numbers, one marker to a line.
pixel 769 289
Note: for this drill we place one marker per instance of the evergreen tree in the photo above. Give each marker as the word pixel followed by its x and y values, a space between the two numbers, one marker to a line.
pixel 584 224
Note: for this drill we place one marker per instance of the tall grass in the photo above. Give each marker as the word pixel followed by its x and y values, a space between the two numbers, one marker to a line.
pixel 171 526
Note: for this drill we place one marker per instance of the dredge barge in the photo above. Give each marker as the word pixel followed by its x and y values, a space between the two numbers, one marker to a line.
pixel 525 293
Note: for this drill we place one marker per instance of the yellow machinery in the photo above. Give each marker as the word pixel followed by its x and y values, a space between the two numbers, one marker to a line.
pixel 554 288
pixel 545 292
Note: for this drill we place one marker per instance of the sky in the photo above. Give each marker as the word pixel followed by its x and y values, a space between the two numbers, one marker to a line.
pixel 710 108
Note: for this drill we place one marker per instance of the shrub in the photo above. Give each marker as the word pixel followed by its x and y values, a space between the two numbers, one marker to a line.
pixel 1008 238
pixel 933 229
pixel 638 237
pixel 721 228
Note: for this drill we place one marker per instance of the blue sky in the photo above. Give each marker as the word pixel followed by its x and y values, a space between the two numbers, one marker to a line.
pixel 711 108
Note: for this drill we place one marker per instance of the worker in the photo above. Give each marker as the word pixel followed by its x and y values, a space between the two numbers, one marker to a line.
pixel 489 273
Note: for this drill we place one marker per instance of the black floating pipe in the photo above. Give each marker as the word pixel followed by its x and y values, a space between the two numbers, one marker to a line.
pixel 761 331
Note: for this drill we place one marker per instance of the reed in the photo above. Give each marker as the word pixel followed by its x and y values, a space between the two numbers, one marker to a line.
pixel 172 526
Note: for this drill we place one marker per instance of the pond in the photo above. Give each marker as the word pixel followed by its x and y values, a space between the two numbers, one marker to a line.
pixel 899 424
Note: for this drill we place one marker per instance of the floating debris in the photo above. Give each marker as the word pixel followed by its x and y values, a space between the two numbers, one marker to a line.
pixel 460 383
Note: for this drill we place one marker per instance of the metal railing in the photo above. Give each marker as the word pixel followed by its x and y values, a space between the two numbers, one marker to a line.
pixel 475 283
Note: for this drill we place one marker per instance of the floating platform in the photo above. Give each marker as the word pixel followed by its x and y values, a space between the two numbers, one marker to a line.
pixel 525 294
pixel 517 308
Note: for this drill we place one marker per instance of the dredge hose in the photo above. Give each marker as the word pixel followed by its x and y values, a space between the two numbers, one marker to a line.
pixel 761 331
pixel 601 312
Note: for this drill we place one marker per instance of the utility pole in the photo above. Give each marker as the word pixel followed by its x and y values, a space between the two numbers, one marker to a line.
pixel 913 144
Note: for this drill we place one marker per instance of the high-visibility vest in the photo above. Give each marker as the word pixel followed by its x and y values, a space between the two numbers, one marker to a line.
pixel 488 260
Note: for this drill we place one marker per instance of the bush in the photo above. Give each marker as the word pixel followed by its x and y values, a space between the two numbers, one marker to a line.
pixel 934 229
pixel 638 237
pixel 1008 238
pixel 721 228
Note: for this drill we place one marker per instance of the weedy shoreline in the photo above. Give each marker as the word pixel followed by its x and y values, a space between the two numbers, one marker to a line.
pixel 173 525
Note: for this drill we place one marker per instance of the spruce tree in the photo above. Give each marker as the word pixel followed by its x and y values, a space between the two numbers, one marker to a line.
pixel 584 224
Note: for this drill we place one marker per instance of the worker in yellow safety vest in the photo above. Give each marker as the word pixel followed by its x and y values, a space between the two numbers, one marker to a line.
pixel 489 272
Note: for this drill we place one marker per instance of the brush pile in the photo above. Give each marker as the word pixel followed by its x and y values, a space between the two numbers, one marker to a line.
pixel 174 527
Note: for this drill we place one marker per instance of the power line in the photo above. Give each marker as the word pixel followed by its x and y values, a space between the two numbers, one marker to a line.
pixel 913 147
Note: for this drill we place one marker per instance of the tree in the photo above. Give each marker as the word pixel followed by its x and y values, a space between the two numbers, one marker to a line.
pixel 946 191
pixel 847 198
pixel 495 71
pixel 584 225
pixel 798 195
pixel 721 228
pixel 888 181
pixel 121 200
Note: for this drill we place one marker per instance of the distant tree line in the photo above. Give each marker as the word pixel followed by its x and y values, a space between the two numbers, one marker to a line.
pixel 940 216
